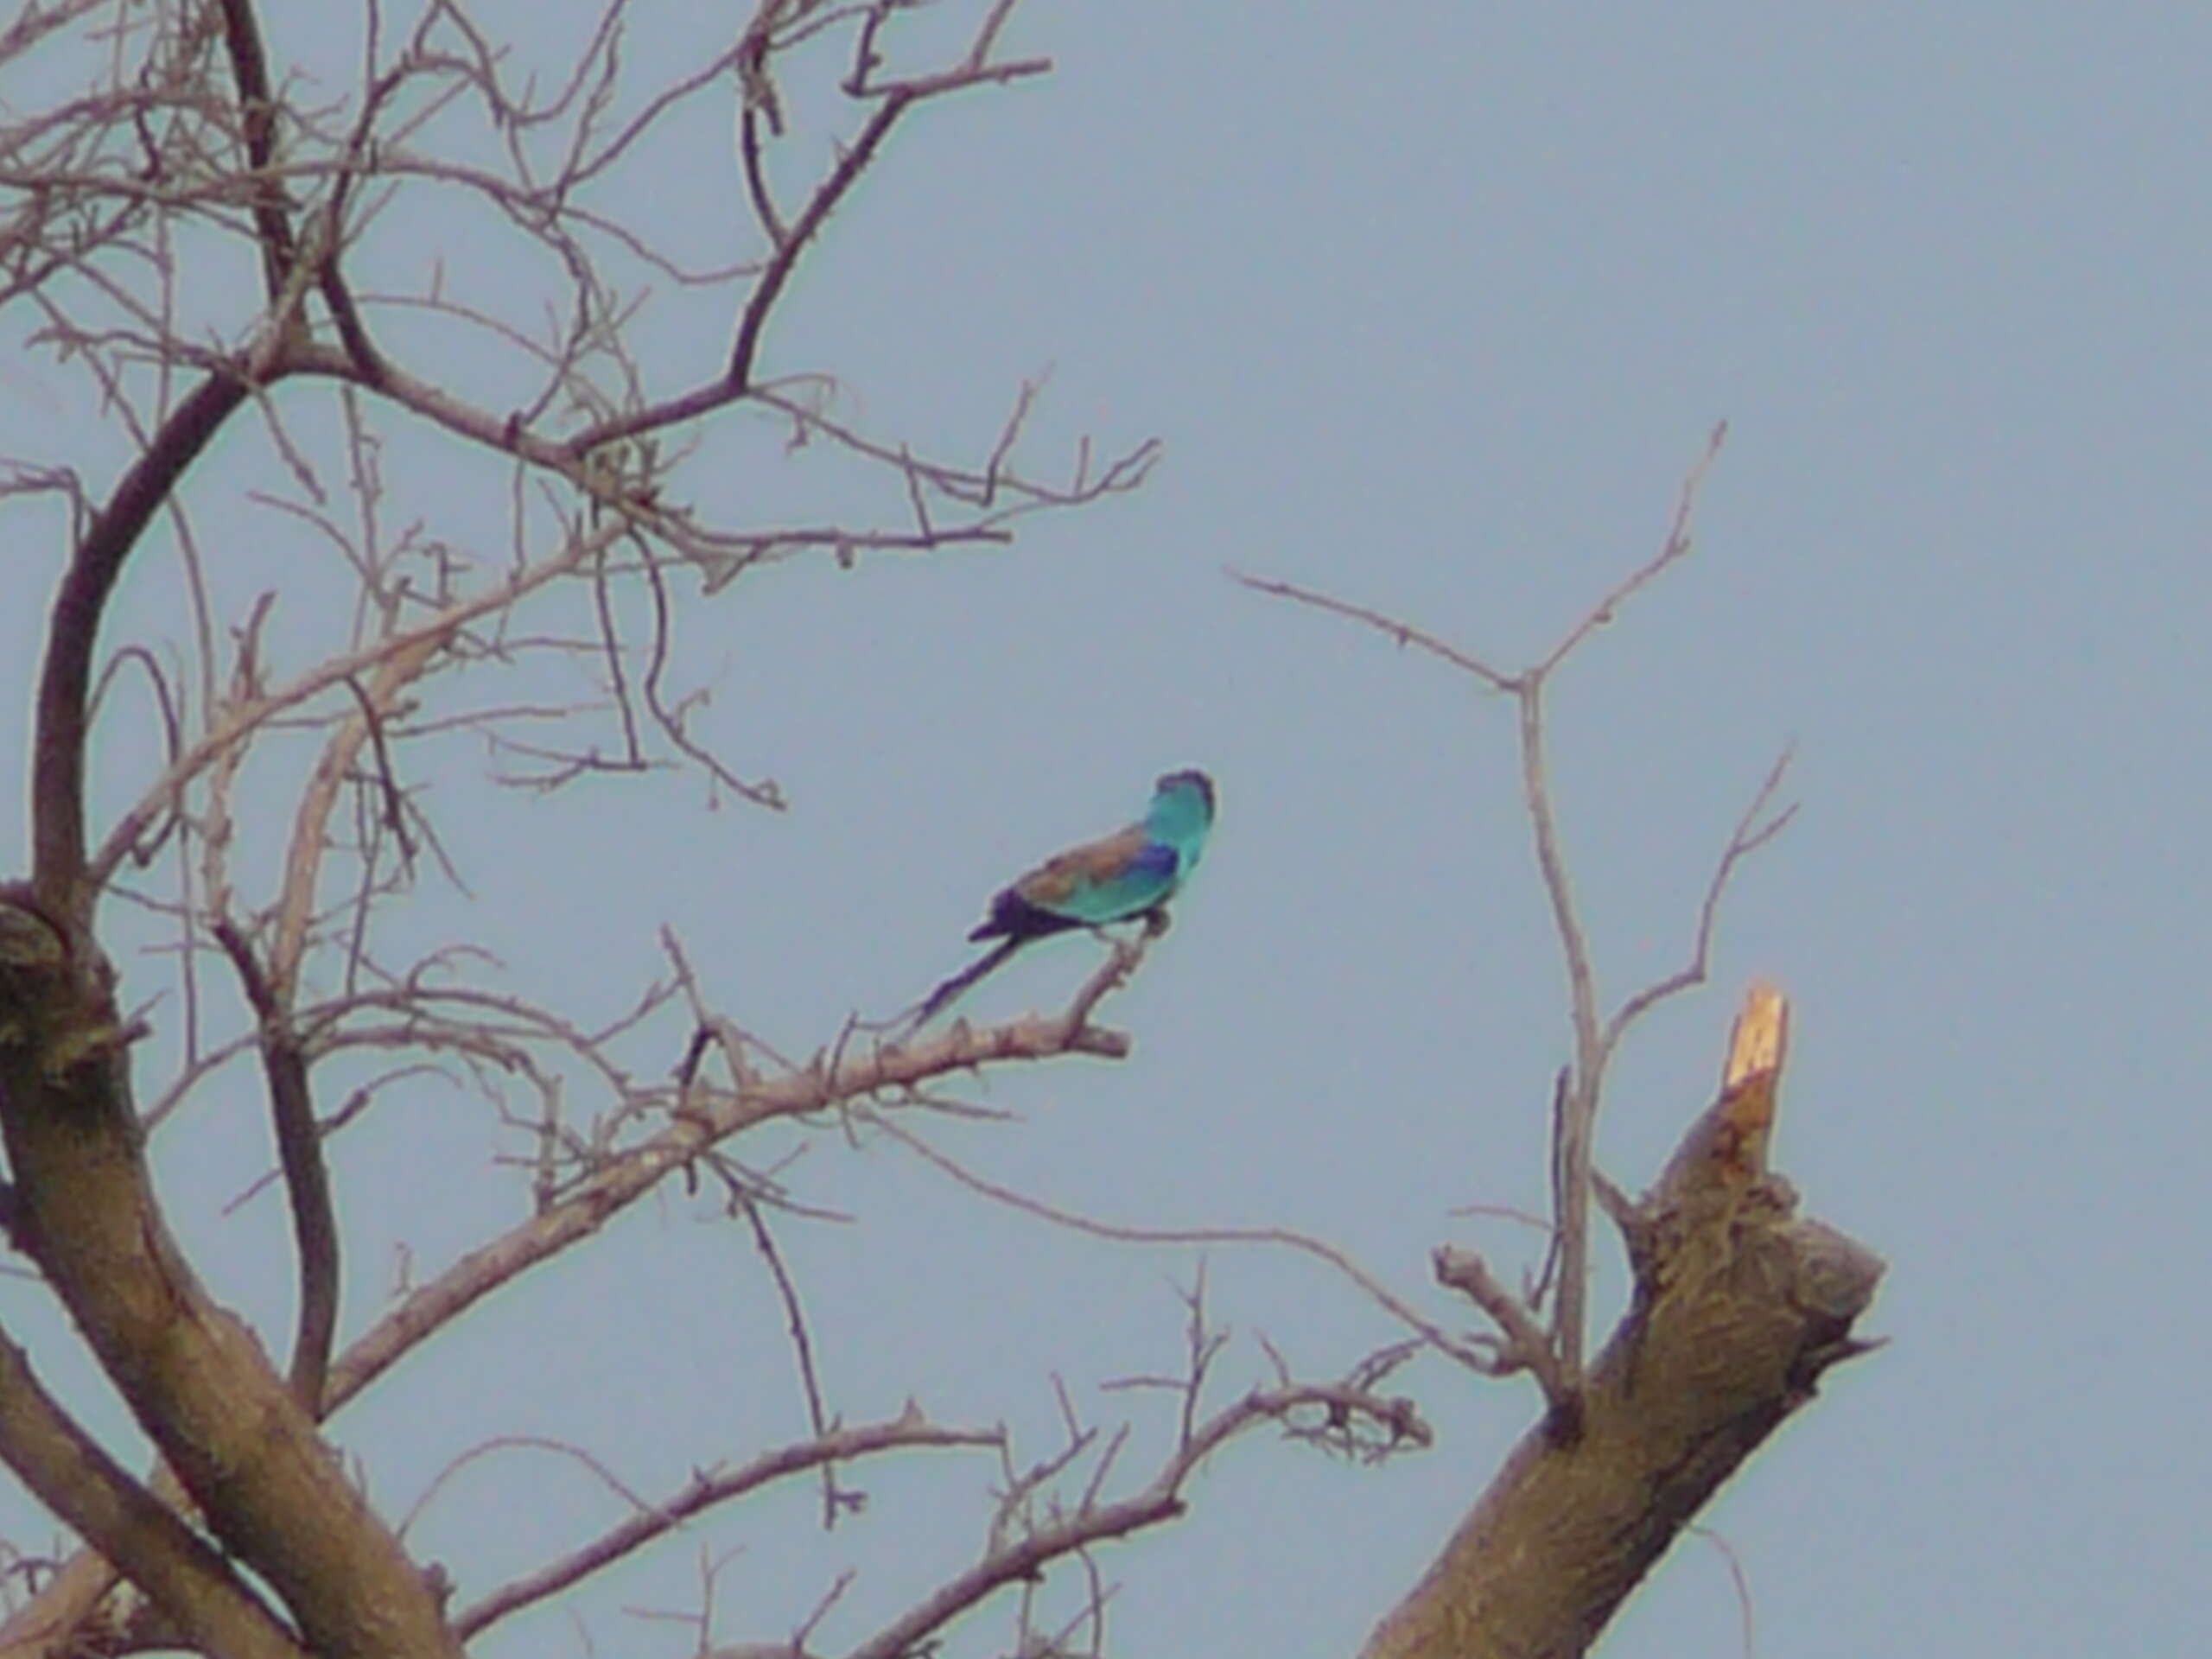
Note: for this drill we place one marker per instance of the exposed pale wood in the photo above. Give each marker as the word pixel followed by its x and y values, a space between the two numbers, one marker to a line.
pixel 1740 1307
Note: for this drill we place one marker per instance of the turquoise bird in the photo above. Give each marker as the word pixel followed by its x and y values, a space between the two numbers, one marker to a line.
pixel 1129 874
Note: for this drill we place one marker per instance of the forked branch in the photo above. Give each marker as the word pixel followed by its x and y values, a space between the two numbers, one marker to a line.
pixel 1740 1309
pixel 1594 1037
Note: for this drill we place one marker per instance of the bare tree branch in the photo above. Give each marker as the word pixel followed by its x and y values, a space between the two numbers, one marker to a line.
pixel 1676 546
pixel 1527 1347
pixel 1582 1081
pixel 818 1414
pixel 1753 830
pixel 190 133
pixel 625 1177
pixel 244 716
pixel 193 1378
pixel 299 1150
pixel 1740 1309
pixel 1430 1333
pixel 58 778
pixel 51 1454
pixel 1021 1560
pixel 705 1489
pixel 242 35
pixel 1404 633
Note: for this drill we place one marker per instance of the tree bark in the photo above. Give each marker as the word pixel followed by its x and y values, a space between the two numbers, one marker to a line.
pixel 193 1374
pixel 1740 1308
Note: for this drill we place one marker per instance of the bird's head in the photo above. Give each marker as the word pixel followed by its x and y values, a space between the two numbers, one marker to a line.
pixel 1189 791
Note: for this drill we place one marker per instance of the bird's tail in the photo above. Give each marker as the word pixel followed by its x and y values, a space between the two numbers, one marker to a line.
pixel 940 999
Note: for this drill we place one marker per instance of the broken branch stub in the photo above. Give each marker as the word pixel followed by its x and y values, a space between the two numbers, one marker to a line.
pixel 1739 1308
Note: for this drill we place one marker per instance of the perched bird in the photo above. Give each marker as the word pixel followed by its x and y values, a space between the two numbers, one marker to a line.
pixel 1128 875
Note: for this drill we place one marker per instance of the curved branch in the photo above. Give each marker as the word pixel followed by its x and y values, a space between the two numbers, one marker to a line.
pixel 702 1492
pixel 1751 835
pixel 832 190
pixel 58 868
pixel 1432 1334
pixel 788 243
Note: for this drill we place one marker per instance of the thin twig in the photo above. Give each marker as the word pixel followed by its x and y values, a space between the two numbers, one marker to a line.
pixel 1403 633
pixel 1676 545
pixel 817 1416
pixel 1751 834
pixel 1430 1333
pixel 704 1491
pixel 1023 1559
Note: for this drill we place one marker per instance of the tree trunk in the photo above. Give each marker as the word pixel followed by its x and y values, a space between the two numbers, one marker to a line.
pixel 1740 1308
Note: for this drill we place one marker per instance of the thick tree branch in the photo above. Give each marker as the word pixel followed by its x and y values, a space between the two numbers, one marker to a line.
pixel 1740 1309
pixel 72 635
pixel 211 1607
pixel 192 1376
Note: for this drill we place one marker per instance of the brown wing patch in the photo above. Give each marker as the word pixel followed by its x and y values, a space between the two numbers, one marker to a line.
pixel 1051 881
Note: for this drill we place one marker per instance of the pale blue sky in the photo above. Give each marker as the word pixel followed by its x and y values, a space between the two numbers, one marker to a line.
pixel 1432 306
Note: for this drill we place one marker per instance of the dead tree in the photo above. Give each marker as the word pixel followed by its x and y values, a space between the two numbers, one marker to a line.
pixel 193 226
pixel 1739 1306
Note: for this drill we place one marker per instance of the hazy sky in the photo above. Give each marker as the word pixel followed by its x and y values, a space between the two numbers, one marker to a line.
pixel 1432 306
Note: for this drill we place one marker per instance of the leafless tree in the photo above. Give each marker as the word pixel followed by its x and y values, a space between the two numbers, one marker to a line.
pixel 1739 1305
pixel 226 249
pixel 213 241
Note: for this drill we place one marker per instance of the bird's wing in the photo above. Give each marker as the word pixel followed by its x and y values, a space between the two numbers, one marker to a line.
pixel 1064 873
pixel 1110 880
